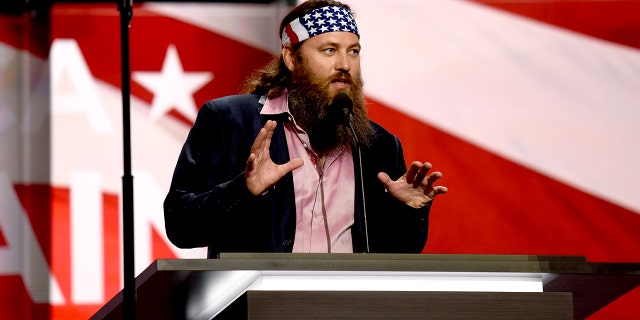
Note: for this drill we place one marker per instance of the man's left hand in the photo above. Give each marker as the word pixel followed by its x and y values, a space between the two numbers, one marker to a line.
pixel 416 187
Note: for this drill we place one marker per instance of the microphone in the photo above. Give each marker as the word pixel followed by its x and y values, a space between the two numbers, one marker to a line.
pixel 340 111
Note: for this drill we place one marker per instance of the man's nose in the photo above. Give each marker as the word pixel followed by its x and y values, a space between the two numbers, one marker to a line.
pixel 343 63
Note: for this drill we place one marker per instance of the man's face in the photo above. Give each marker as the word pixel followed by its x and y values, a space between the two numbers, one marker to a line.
pixel 328 63
pixel 333 60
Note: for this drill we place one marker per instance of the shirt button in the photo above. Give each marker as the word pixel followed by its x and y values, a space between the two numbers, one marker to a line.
pixel 286 242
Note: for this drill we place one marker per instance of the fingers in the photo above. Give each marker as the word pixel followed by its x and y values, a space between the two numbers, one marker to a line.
pixel 433 177
pixel 433 192
pixel 261 145
pixel 429 189
pixel 440 190
pixel 412 172
pixel 417 172
pixel 270 127
pixel 259 141
pixel 418 175
pixel 422 173
pixel 263 140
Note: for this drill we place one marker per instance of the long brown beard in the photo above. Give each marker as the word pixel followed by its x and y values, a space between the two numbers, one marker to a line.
pixel 309 99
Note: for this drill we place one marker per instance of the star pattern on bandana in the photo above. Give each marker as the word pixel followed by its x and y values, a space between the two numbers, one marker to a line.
pixel 328 19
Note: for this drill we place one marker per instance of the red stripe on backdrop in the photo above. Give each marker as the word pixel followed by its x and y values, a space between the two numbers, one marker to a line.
pixel 61 243
pixel 26 32
pixel 49 216
pixel 15 301
pixel 230 61
pixel 3 241
pixel 61 246
pixel 160 248
pixel 495 206
pixel 112 245
pixel 616 21
pixel 36 200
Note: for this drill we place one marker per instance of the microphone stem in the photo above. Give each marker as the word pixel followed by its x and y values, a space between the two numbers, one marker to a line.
pixel 364 205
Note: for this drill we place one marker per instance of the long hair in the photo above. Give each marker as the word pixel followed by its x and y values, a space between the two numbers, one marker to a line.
pixel 274 78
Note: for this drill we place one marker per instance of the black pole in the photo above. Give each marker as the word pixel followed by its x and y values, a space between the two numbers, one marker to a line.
pixel 129 291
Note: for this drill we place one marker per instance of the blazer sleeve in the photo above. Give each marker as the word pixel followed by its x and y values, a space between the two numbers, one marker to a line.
pixel 208 197
pixel 394 226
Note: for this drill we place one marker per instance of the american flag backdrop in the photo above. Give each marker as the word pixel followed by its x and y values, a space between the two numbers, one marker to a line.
pixel 531 109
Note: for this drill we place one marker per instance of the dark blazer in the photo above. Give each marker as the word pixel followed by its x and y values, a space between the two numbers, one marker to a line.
pixel 208 203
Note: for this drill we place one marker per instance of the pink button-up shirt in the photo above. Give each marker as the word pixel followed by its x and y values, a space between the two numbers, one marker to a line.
pixel 323 190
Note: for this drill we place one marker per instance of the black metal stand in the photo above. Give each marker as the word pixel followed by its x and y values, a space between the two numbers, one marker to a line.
pixel 129 291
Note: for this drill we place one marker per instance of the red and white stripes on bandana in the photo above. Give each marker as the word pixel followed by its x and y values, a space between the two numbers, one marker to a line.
pixel 319 21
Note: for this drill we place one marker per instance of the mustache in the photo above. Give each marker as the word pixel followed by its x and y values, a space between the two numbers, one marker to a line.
pixel 342 77
pixel 309 98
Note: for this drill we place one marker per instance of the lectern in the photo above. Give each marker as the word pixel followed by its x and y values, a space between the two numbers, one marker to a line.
pixel 376 286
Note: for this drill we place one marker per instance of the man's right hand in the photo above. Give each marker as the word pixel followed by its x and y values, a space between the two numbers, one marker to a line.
pixel 261 172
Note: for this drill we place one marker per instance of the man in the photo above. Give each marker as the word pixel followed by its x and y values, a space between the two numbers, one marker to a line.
pixel 280 170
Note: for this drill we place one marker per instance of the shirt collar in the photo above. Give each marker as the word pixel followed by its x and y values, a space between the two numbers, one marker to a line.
pixel 278 105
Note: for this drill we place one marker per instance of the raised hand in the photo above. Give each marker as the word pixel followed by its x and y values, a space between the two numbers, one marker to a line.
pixel 416 187
pixel 261 172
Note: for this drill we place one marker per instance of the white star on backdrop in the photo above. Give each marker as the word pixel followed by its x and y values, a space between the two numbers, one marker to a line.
pixel 172 87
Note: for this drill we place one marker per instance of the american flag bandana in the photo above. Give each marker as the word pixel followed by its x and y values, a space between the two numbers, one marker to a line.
pixel 319 21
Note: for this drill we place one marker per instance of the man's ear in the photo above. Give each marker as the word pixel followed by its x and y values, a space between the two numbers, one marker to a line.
pixel 288 56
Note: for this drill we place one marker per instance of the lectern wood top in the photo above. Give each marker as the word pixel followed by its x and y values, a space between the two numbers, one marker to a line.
pixel 399 262
pixel 382 256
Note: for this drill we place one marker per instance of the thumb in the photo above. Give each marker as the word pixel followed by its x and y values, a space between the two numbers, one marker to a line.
pixel 293 164
pixel 384 178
